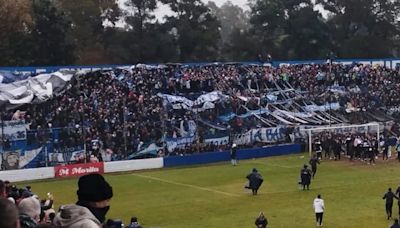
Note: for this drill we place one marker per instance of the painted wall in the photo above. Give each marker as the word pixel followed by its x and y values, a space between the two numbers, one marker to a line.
pixel 212 157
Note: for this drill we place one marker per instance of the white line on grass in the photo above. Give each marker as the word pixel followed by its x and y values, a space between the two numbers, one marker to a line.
pixel 186 185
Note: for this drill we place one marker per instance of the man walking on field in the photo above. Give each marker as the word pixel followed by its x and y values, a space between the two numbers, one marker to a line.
pixel 313 162
pixel 389 195
pixel 319 208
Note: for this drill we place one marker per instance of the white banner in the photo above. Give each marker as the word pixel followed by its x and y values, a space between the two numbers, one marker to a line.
pixel 218 141
pixel 210 97
pixel 207 100
pixel 41 87
pixel 28 156
pixel 181 142
pixel 265 135
pixel 322 108
pixel 14 130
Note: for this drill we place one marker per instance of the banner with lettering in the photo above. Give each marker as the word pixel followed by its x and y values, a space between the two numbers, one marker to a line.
pixel 264 135
pixel 63 171
pixel 14 130
pixel 67 154
pixel 173 143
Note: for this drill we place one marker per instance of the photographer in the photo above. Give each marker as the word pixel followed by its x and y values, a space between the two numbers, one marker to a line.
pixel 261 221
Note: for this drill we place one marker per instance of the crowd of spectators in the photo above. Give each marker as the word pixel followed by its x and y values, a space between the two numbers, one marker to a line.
pixel 20 207
pixel 121 109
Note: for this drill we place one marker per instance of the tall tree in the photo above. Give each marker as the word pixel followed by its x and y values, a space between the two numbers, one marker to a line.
pixel 15 26
pixel 53 43
pixel 139 14
pixel 231 17
pixel 196 30
pixel 289 29
pixel 364 28
pixel 89 19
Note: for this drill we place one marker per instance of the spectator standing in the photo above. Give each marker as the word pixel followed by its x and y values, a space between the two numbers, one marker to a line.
pixel 234 154
pixel 94 194
pixel 134 223
pixel 261 221
pixel 8 214
pixel 395 224
pixel 319 208
pixel 29 212
pixel 398 150
pixel 313 162
pixel 385 150
pixel 389 195
pixel 398 195
pixel 3 193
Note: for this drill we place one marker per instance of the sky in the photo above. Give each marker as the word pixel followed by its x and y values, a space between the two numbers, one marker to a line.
pixel 164 10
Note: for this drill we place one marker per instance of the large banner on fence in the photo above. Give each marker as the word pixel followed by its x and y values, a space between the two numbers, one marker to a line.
pixel 68 154
pixel 264 135
pixel 10 160
pixel 173 143
pixel 77 170
pixel 14 130
pixel 286 134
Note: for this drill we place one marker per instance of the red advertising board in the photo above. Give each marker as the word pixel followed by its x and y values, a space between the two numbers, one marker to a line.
pixel 77 170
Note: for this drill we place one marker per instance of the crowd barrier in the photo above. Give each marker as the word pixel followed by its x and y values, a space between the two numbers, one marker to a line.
pixel 132 165
pixel 27 174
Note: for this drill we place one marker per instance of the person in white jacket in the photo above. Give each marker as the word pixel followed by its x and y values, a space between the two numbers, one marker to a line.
pixel 74 216
pixel 319 208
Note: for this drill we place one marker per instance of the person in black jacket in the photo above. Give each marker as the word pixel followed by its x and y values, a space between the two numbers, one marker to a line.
pixel 305 175
pixel 8 214
pixel 233 154
pixel 389 195
pixel 255 181
pixel 398 195
pixel 395 224
pixel 313 162
pixel 261 221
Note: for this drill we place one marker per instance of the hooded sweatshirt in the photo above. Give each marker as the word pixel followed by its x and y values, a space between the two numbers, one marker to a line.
pixel 319 205
pixel 74 216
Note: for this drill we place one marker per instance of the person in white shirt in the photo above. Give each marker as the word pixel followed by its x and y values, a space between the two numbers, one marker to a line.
pixel 319 208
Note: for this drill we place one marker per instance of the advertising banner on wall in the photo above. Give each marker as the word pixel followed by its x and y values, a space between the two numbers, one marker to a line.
pixel 77 170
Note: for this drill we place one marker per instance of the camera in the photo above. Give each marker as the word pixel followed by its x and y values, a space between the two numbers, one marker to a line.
pixel 114 223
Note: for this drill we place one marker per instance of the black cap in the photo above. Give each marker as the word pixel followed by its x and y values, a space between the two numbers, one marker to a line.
pixel 93 188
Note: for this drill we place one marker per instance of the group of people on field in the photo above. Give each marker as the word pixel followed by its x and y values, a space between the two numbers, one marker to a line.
pixel 364 147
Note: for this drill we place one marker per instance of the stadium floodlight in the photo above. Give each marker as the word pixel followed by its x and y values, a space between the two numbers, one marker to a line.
pixel 343 129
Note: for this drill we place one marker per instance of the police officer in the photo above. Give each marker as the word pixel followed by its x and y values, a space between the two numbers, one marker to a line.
pixel 305 175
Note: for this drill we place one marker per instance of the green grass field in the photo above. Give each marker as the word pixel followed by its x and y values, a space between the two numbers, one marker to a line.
pixel 213 195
